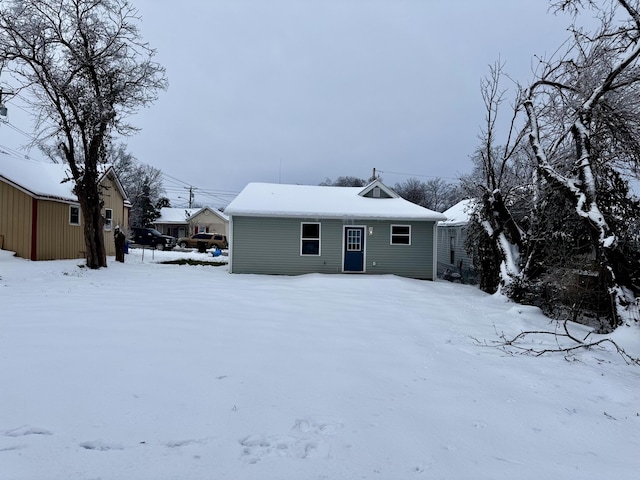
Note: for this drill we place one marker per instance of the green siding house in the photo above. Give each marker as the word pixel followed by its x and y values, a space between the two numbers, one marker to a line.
pixel 453 261
pixel 298 229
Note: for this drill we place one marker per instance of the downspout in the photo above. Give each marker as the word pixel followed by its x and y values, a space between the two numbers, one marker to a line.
pixel 434 267
pixel 230 270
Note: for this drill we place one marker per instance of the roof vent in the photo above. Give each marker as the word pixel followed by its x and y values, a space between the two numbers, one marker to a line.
pixel 376 192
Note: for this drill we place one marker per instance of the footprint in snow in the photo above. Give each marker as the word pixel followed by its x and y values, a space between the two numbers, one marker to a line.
pixel 12 448
pixel 322 426
pixel 182 443
pixel 306 441
pixel 27 430
pixel 101 446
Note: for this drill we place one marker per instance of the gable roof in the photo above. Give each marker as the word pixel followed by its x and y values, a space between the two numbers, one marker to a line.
pixel 277 200
pixel 45 180
pixel 175 215
pixel 459 214
pixel 377 183
pixel 37 179
pixel 172 215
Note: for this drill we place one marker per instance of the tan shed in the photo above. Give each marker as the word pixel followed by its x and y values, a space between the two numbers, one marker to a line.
pixel 40 217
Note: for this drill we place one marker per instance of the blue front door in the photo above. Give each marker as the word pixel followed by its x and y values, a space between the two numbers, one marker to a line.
pixel 354 249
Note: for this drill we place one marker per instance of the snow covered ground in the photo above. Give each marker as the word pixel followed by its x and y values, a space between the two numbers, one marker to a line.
pixel 150 371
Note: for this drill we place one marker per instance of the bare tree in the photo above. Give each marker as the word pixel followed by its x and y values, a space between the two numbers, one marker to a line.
pixel 441 195
pixel 412 190
pixel 346 181
pixel 501 180
pixel 143 184
pixel 86 69
pixel 435 193
pixel 583 125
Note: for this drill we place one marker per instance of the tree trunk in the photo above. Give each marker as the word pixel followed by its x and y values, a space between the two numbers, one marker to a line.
pixel 88 194
pixel 505 235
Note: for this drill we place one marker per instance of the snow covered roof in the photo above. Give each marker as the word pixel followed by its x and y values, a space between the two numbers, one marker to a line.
pixel 175 215
pixel 458 214
pixel 43 179
pixel 277 200
pixel 169 215
pixel 38 179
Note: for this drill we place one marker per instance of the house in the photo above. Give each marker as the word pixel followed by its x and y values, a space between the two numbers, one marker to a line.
pixel 453 260
pixel 298 229
pixel 182 222
pixel 40 217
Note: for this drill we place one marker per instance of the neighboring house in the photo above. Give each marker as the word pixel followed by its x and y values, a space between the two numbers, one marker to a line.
pixel 298 229
pixel 40 217
pixel 183 222
pixel 453 261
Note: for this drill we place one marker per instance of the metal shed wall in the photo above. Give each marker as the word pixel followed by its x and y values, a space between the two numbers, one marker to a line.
pixel 56 238
pixel 15 220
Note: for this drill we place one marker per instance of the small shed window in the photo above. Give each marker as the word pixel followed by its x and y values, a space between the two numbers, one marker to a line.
pixel 452 250
pixel 108 218
pixel 401 234
pixel 310 239
pixel 74 215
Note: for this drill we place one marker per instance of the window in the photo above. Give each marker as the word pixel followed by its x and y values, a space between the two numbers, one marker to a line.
pixel 74 215
pixel 452 250
pixel 108 218
pixel 400 234
pixel 354 240
pixel 310 239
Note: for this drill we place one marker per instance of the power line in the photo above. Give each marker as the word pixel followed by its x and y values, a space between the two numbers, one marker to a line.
pixel 10 125
pixel 175 185
pixel 18 105
pixel 16 153
pixel 415 175
pixel 181 182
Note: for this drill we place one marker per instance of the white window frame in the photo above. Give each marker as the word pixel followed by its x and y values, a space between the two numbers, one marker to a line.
pixel 73 208
pixel 108 218
pixel 355 246
pixel 393 236
pixel 309 239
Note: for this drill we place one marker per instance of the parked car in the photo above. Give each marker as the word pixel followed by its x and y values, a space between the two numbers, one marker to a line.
pixel 208 240
pixel 150 237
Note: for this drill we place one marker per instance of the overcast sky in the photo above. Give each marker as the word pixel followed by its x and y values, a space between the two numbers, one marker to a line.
pixel 297 91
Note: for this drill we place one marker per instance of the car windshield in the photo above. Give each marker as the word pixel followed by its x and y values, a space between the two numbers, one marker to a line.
pixel 154 231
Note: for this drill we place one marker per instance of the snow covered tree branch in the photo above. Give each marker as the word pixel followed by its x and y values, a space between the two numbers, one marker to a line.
pixel 592 89
pixel 556 214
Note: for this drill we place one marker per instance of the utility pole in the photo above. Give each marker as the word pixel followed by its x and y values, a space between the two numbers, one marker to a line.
pixel 191 195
